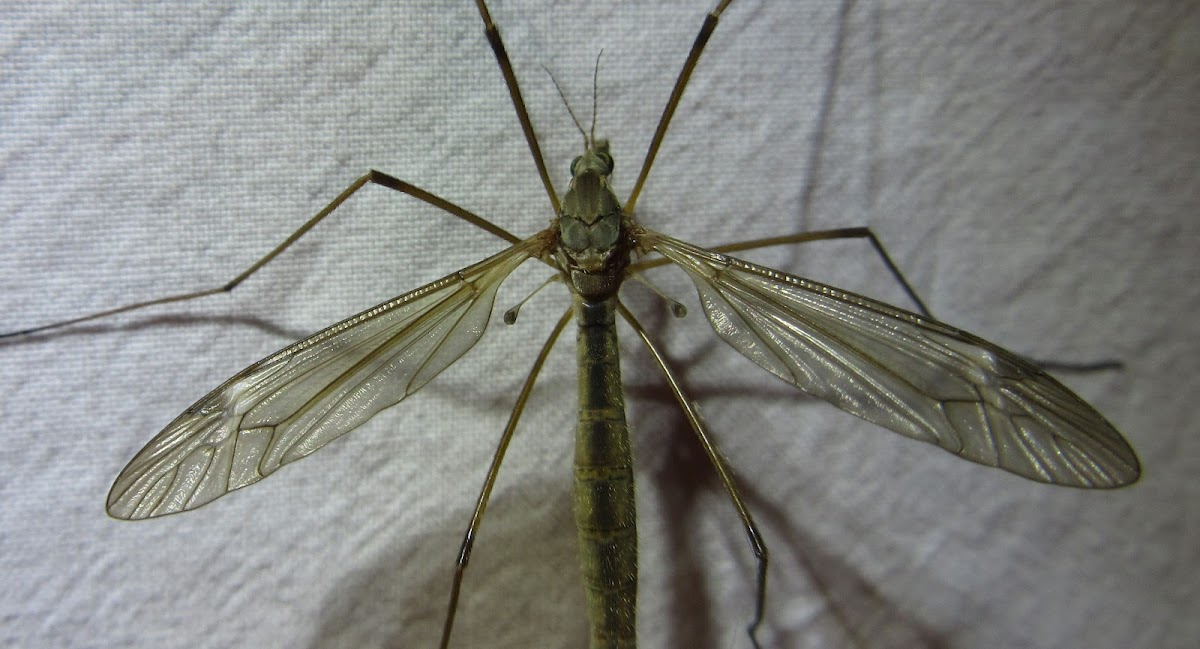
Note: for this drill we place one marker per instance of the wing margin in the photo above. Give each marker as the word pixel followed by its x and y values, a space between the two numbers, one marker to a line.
pixel 907 373
pixel 288 405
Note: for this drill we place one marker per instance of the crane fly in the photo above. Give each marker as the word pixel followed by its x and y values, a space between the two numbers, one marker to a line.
pixel 904 371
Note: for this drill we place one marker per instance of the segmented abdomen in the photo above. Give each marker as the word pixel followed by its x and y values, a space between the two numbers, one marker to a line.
pixel 603 499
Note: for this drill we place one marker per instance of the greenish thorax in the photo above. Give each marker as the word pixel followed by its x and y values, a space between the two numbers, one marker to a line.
pixel 592 229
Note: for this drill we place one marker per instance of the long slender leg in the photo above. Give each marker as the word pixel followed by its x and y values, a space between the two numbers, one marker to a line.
pixel 1102 365
pixel 514 91
pixel 372 176
pixel 464 554
pixel 706 30
pixel 714 456
pixel 815 235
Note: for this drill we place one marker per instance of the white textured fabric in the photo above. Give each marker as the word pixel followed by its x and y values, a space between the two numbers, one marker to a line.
pixel 1031 165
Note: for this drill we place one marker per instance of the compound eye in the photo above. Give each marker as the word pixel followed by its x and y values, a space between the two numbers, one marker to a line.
pixel 607 160
pixel 574 163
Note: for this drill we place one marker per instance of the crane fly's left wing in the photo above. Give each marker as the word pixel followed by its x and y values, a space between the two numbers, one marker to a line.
pixel 909 374
pixel 288 405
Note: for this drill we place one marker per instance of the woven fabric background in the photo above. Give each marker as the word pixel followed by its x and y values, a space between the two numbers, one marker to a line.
pixel 1030 164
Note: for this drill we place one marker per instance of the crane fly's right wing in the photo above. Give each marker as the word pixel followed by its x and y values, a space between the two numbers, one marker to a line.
pixel 907 373
pixel 288 405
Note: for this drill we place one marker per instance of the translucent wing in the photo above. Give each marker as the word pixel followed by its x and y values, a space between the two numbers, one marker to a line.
pixel 915 376
pixel 288 405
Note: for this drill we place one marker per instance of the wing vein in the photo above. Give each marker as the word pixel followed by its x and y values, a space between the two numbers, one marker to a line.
pixel 295 401
pixel 910 374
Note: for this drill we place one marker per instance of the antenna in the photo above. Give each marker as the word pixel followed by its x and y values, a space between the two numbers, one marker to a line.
pixel 587 143
pixel 595 92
